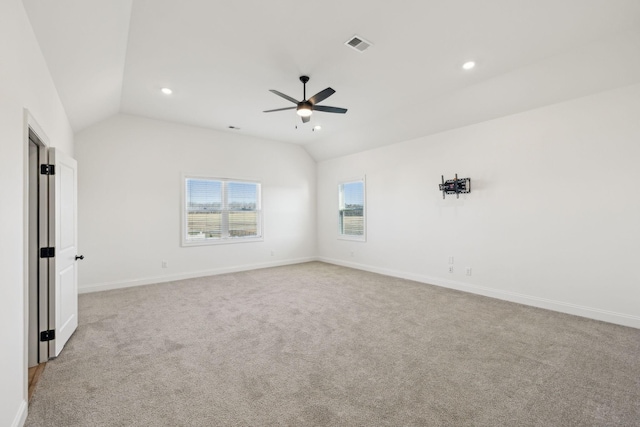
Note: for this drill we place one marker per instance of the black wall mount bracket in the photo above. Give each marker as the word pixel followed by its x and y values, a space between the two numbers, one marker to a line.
pixel 455 186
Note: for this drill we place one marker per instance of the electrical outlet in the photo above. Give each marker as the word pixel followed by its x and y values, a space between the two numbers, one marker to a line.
pixel 165 264
pixel 450 260
pixel 468 271
pixel 451 269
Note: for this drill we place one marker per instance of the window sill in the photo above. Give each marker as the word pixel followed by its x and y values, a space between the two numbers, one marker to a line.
pixel 352 238
pixel 213 242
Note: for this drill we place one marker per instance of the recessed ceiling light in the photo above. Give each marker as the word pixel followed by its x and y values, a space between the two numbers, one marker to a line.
pixel 468 65
pixel 166 91
pixel 317 127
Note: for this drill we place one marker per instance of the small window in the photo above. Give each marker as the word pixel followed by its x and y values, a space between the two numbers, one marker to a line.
pixel 351 210
pixel 221 211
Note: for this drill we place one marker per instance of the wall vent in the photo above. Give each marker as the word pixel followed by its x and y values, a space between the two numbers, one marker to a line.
pixel 358 43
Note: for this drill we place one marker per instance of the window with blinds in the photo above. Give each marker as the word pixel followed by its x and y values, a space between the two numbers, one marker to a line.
pixel 351 210
pixel 221 211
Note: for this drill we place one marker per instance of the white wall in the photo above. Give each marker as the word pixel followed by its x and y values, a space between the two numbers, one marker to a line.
pixel 552 219
pixel 24 83
pixel 130 180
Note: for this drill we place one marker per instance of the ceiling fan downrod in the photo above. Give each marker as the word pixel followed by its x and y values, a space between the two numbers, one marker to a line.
pixel 304 80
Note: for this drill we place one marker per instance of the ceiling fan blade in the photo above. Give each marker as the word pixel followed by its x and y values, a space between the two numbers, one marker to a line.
pixel 305 119
pixel 326 109
pixel 279 109
pixel 321 96
pixel 287 97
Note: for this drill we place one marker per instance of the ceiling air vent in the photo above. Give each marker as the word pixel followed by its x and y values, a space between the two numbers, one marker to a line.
pixel 358 43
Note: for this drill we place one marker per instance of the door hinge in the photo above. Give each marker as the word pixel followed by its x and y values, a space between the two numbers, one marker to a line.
pixel 47 252
pixel 48 335
pixel 47 169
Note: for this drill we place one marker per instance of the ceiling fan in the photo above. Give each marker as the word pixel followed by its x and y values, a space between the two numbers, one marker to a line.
pixel 306 107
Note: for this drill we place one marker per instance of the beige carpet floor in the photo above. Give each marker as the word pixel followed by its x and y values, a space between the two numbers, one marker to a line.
pixel 321 345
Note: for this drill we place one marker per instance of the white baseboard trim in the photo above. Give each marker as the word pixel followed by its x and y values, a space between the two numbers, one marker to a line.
pixel 107 286
pixel 21 415
pixel 563 307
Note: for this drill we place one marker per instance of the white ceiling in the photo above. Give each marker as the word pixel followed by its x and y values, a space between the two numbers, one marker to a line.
pixel 221 58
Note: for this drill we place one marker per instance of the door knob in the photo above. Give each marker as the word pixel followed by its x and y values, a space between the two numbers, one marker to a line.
pixel 81 257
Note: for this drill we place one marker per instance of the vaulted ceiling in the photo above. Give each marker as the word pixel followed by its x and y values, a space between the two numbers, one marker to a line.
pixel 220 58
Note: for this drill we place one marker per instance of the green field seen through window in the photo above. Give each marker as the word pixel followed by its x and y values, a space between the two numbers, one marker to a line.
pixel 208 225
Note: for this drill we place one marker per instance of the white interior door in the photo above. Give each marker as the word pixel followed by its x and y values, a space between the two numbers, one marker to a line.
pixel 63 314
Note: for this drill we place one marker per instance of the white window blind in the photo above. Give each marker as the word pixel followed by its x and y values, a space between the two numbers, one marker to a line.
pixel 221 210
pixel 351 209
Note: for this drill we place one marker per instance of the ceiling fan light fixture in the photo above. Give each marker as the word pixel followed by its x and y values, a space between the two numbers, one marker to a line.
pixel 304 110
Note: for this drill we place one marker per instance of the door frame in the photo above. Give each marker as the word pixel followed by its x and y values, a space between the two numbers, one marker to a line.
pixel 30 124
pixel 42 296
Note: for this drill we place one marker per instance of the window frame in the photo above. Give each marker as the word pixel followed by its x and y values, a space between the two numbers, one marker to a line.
pixel 351 237
pixel 225 222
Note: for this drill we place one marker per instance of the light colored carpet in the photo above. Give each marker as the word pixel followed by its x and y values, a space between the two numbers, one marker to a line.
pixel 320 345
